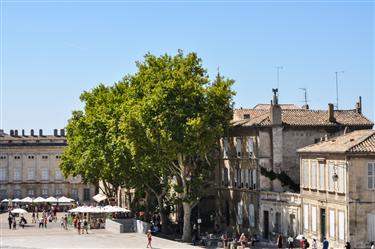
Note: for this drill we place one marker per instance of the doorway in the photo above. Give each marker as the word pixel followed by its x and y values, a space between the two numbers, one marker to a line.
pixel 227 214
pixel 265 224
pixel 322 224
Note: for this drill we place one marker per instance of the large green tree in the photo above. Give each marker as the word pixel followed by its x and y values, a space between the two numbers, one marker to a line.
pixel 185 115
pixel 94 149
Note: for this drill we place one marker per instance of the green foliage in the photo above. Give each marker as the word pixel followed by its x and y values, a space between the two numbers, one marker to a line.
pixel 282 177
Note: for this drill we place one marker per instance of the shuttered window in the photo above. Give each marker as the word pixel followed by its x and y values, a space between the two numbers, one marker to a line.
pixel 239 147
pixel 313 179
pixel 332 223
pixel 341 225
pixel 306 217
pixel 371 227
pixel 313 219
pixel 305 164
pixel 331 171
pixel 371 175
pixel 322 176
pixel 251 215
pixel 250 147
pixel 226 148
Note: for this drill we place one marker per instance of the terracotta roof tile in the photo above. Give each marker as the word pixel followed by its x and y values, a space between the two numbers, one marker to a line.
pixel 356 141
pixel 301 117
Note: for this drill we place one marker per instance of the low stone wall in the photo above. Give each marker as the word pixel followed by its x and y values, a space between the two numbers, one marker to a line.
pixel 126 226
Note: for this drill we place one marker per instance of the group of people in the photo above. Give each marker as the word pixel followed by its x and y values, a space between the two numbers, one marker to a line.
pixel 46 216
pixel 82 225
pixel 13 222
pixel 243 241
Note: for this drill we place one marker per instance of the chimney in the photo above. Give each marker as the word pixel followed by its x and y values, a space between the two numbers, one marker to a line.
pixel 32 132
pixel 62 132
pixel 23 132
pixel 40 132
pixel 55 132
pixel 331 116
pixel 16 133
pixel 11 133
pixel 1 132
pixel 306 107
pixel 358 106
pixel 275 111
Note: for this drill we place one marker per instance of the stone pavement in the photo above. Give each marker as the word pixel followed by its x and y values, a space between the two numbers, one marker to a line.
pixel 54 237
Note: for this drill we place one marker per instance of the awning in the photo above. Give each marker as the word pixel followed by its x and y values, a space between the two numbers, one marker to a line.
pixel 99 197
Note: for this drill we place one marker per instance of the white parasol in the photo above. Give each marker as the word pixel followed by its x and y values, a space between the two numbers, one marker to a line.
pixel 39 199
pixel 18 211
pixel 27 200
pixel 16 200
pixel 5 200
pixel 51 199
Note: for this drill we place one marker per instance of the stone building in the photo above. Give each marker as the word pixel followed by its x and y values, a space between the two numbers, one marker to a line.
pixel 258 173
pixel 338 189
pixel 29 166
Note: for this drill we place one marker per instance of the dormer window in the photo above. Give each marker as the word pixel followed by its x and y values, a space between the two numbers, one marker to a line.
pixel 246 116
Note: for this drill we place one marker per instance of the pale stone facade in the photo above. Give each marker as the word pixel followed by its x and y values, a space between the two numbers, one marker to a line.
pixel 29 166
pixel 277 131
pixel 338 190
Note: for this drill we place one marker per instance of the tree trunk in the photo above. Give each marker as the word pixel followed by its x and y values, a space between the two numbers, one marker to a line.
pixel 186 236
pixel 147 207
pixel 163 217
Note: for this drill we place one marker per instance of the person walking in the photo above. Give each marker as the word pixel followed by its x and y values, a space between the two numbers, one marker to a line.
pixel 347 245
pixel 290 242
pixel 149 239
pixel 45 221
pixel 314 244
pixel 325 243
pixel 14 223
pixel 243 240
pixel 85 227
pixel 66 222
pixel 33 218
pixel 224 237
pixel 79 226
pixel 280 241
pixel 10 221
pixel 41 222
pixel 372 245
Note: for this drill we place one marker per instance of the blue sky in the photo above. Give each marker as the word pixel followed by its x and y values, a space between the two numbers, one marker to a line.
pixel 54 50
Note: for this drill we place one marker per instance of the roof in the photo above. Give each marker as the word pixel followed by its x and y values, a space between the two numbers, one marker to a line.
pixel 301 117
pixel 283 106
pixel 47 140
pixel 360 141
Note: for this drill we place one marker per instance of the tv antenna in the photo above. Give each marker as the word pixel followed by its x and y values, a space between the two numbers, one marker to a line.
pixel 304 95
pixel 278 75
pixel 337 88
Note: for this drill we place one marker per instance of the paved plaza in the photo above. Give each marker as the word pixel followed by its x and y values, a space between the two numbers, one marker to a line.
pixel 32 237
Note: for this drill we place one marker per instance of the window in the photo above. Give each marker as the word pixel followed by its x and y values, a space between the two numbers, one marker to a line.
pixel 17 157
pixel 30 174
pixel 332 223
pixel 306 217
pixel 254 178
pixel 3 174
pixel 17 174
pixel 44 157
pixel 45 174
pixel 45 192
pixel 30 157
pixel 30 192
pixel 322 176
pixel 278 222
pixel 3 193
pixel 58 156
pixel 86 194
pixel 58 192
pixel 226 148
pixel 250 178
pixel 341 180
pixel 313 218
pixel 250 147
pixel 226 176
pixel 371 175
pixel 331 171
pixel 313 174
pixel 238 177
pixel 3 157
pixel 371 227
pixel 341 225
pixel 58 175
pixel 251 215
pixel 305 164
pixel 238 147
pixel 243 177
pixel 239 213
pixel 17 193
pixel 74 193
